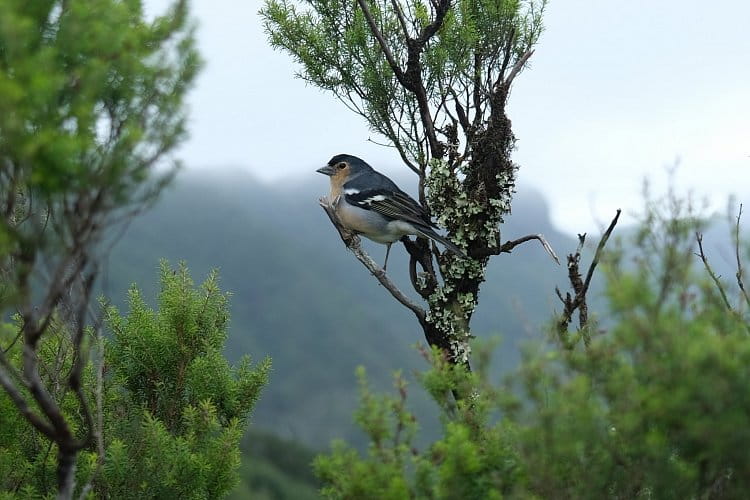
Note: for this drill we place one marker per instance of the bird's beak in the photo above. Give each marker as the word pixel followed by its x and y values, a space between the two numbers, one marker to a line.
pixel 326 170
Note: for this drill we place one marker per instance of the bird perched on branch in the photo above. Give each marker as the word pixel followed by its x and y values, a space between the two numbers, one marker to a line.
pixel 369 203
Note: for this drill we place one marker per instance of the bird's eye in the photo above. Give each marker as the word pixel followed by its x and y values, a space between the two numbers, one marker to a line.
pixel 341 166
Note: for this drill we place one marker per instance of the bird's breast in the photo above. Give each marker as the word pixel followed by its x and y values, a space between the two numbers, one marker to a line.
pixel 371 224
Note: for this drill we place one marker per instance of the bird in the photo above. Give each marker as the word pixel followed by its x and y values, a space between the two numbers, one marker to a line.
pixel 369 203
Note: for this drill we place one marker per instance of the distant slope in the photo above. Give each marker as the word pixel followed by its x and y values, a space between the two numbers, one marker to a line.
pixel 301 298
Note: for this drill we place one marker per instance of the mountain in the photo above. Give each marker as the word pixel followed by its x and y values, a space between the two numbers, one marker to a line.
pixel 301 298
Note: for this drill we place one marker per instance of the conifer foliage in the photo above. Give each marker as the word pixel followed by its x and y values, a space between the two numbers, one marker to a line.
pixel 173 409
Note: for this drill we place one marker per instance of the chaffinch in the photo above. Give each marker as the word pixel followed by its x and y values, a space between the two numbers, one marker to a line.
pixel 371 204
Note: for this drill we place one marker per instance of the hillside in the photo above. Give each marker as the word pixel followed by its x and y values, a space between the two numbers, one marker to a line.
pixel 301 298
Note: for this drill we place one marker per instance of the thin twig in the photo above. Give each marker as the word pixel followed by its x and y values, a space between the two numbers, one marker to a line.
pixel 22 405
pixel 711 273
pixel 740 280
pixel 381 41
pixel 13 342
pixel 506 56
pixel 599 249
pixel 517 68
pixel 401 19
pixel 508 246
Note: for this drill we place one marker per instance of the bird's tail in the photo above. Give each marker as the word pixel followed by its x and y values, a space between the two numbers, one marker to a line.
pixel 429 233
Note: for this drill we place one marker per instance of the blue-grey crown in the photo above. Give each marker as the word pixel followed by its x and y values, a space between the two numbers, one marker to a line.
pixel 353 161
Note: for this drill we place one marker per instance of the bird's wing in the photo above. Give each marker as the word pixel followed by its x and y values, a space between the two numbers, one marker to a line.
pixel 394 204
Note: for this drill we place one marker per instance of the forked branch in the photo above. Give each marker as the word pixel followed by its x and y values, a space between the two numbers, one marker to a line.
pixel 716 279
pixel 577 301
pixel 709 270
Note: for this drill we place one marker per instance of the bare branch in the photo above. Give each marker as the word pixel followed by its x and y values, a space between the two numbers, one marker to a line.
pixel 517 68
pixel 581 287
pixel 352 242
pixel 74 379
pixel 711 273
pixel 401 19
pixel 740 271
pixel 460 111
pixel 508 246
pixel 419 253
pixel 441 9
pixel 599 249
pixel 411 78
pixel 13 342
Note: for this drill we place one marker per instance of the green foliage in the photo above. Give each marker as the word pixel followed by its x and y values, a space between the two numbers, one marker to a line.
pixel 171 358
pixel 91 96
pixel 174 410
pixel 338 52
pixel 27 458
pixel 72 72
pixel 655 407
pixel 180 410
pixel 90 100
pixel 472 459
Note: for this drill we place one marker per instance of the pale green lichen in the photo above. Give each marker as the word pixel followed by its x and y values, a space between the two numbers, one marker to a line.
pixel 455 209
pixel 451 318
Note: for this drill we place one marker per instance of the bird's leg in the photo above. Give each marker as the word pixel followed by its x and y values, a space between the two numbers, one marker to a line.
pixel 387 251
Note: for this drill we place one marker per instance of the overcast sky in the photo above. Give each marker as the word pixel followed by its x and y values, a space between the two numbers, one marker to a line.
pixel 616 92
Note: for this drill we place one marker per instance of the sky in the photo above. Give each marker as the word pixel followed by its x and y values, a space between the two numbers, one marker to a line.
pixel 616 92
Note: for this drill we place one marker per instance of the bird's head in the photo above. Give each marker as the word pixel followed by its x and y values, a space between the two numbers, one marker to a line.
pixel 343 166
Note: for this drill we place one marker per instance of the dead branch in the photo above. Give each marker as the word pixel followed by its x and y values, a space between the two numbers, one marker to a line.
pixel 419 253
pixel 717 279
pixel 740 271
pixel 577 301
pixel 714 277
pixel 517 68
pixel 508 246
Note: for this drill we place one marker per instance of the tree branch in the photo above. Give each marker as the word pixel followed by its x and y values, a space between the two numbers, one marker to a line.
pixel 740 272
pixel 419 252
pixel 441 9
pixel 581 287
pixel 508 246
pixel 381 41
pixel 460 112
pixel 506 56
pixel 517 68
pixel 411 79
pixel 711 273
pixel 353 243
pixel 401 19
pixel 599 248
pixel 20 402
